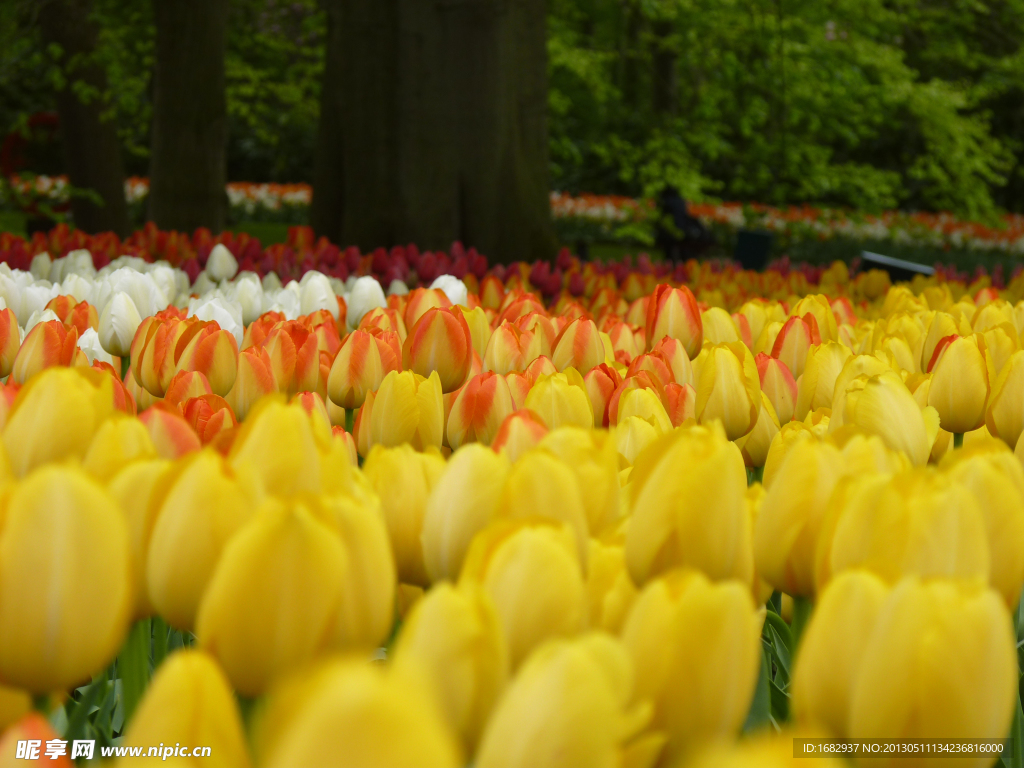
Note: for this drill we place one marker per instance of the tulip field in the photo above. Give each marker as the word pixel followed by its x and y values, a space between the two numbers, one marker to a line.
pixel 310 507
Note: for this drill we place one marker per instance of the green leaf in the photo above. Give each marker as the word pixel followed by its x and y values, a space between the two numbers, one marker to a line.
pixel 760 707
pixel 1016 757
pixel 780 702
pixel 133 665
pixel 781 652
pixel 78 711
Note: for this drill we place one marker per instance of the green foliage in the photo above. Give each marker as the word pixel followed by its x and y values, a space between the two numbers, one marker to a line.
pixel 863 103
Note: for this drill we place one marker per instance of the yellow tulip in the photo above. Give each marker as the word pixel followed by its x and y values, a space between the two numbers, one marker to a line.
pixel 403 479
pixel 591 456
pixel 882 405
pixel 290 451
pixel 274 597
pixel 754 498
pixel 960 384
pixel 350 714
pixel 815 388
pixel 719 327
pixel 942 325
pixel 14 702
pixel 134 488
pixel 463 501
pixel 199 507
pixel 56 415
pixel 854 368
pixel 65 580
pixel 532 572
pixel 994 477
pixel 763 750
pixel 561 399
pixel 610 590
pixel 632 437
pixel 190 703
pixel 695 518
pixel 754 445
pixel 406 409
pixel 818 305
pixel 918 522
pixel 1004 414
pixel 832 647
pixel 905 688
pixel 729 389
pixel 454 637
pixel 791 433
pixel 119 440
pixel 701 683
pixel 791 516
pixel 568 705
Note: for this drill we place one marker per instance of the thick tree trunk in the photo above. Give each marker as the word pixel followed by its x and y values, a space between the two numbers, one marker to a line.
pixel 444 128
pixel 329 170
pixel 92 153
pixel 187 163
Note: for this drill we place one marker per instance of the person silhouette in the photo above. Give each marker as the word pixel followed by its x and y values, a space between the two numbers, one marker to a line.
pixel 679 234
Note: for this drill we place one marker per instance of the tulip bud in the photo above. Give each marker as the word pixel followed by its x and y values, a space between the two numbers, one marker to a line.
pixel 186 385
pixel 673 312
pixel 47 344
pixel 404 479
pixel 575 694
pixel 818 307
pixel 729 389
pixel 118 323
pixel 590 455
pixel 440 342
pixel 1004 413
pixel 610 590
pixel 479 327
pixel 247 621
pixel 357 369
pixel 10 341
pixel 903 686
pixel 454 637
pixel 214 353
pixel 120 440
pixel 406 409
pixel 601 381
pixel 790 518
pixel 674 355
pixel 508 348
pixel 200 507
pixel 352 714
pixel 65 589
pixel 755 444
pixel 795 339
pixel 960 383
pixel 832 648
pixel 882 405
pixel 479 409
pixel 578 346
pixel 778 385
pixel 719 327
pixel 561 398
pixel 221 264
pixel 171 435
pixel 254 380
pixel 463 501
pixel 822 368
pixel 532 572
pixel 520 432
pixel 294 358
pixel 671 661
pixel 190 702
pixel 994 477
pixel 695 519
pixel 56 416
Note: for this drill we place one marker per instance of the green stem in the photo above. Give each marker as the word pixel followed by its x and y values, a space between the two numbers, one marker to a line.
pixel 958 440
pixel 160 636
pixel 133 665
pixel 350 420
pixel 802 609
pixel 126 364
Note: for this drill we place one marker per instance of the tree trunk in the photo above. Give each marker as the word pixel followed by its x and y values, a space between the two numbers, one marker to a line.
pixel 187 163
pixel 92 153
pixel 328 169
pixel 444 129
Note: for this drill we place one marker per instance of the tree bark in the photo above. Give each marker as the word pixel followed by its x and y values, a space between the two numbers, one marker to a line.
pixel 92 152
pixel 328 169
pixel 444 128
pixel 188 159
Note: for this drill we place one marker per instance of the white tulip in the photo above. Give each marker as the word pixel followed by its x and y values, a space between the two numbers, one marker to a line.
pixel 34 298
pixel 118 322
pixel 282 301
pixel 271 282
pixel 163 275
pixel 317 294
pixel 41 266
pixel 248 292
pixel 453 288
pixel 89 343
pixel 398 288
pixel 227 313
pixel 366 294
pixel 40 316
pixel 145 293
pixel 79 287
pixel 77 262
pixel 10 292
pixel 221 265
pixel 203 284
